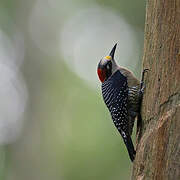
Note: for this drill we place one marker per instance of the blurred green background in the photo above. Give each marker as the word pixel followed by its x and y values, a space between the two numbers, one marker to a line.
pixel 53 122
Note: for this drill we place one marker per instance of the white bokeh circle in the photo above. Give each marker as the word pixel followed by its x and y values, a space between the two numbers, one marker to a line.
pixel 90 35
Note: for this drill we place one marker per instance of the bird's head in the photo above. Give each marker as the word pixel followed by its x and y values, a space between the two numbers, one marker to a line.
pixel 107 66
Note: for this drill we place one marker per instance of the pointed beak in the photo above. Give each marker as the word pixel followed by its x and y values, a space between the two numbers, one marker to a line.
pixel 113 51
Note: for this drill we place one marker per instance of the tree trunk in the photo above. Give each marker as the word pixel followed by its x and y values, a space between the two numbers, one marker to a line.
pixel 158 137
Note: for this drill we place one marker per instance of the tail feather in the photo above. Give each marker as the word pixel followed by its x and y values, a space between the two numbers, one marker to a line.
pixel 130 147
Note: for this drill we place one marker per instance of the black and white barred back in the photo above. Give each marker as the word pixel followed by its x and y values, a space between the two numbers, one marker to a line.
pixel 134 101
pixel 115 95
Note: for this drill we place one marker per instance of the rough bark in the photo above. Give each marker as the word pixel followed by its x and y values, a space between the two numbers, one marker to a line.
pixel 158 138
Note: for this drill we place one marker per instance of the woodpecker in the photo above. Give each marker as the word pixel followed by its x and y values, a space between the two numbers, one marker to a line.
pixel 122 93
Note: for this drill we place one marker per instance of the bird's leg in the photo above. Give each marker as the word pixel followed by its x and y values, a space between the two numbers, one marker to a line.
pixel 141 92
pixel 142 86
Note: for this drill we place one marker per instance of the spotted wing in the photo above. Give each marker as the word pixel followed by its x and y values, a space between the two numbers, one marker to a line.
pixel 115 95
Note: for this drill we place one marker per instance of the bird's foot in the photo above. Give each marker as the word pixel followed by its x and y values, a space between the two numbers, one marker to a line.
pixel 142 79
pixel 142 85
